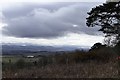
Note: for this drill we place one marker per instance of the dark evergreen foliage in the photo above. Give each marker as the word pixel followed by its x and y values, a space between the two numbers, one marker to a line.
pixel 108 17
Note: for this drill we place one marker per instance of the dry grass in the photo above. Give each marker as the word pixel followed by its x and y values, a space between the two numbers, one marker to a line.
pixel 95 64
pixel 90 69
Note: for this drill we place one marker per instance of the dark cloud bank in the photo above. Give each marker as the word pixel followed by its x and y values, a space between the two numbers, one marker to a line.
pixel 47 21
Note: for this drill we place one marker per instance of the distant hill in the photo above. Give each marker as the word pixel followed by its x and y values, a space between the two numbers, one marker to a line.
pixel 8 49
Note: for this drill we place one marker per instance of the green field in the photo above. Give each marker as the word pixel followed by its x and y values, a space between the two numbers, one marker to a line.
pixel 14 59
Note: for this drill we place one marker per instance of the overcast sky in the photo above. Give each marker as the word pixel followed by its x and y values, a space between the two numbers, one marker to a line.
pixel 48 23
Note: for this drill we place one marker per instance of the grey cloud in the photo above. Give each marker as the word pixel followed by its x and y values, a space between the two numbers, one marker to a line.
pixel 43 23
pixel 21 9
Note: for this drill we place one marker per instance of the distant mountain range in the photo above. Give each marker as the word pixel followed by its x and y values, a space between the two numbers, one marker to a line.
pixel 34 48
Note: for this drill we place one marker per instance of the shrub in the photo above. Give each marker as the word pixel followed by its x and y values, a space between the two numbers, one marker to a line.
pixel 43 61
pixel 103 54
pixel 61 59
pixel 117 48
pixel 20 63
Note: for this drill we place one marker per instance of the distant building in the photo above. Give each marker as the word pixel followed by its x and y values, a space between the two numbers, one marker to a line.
pixel 30 56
